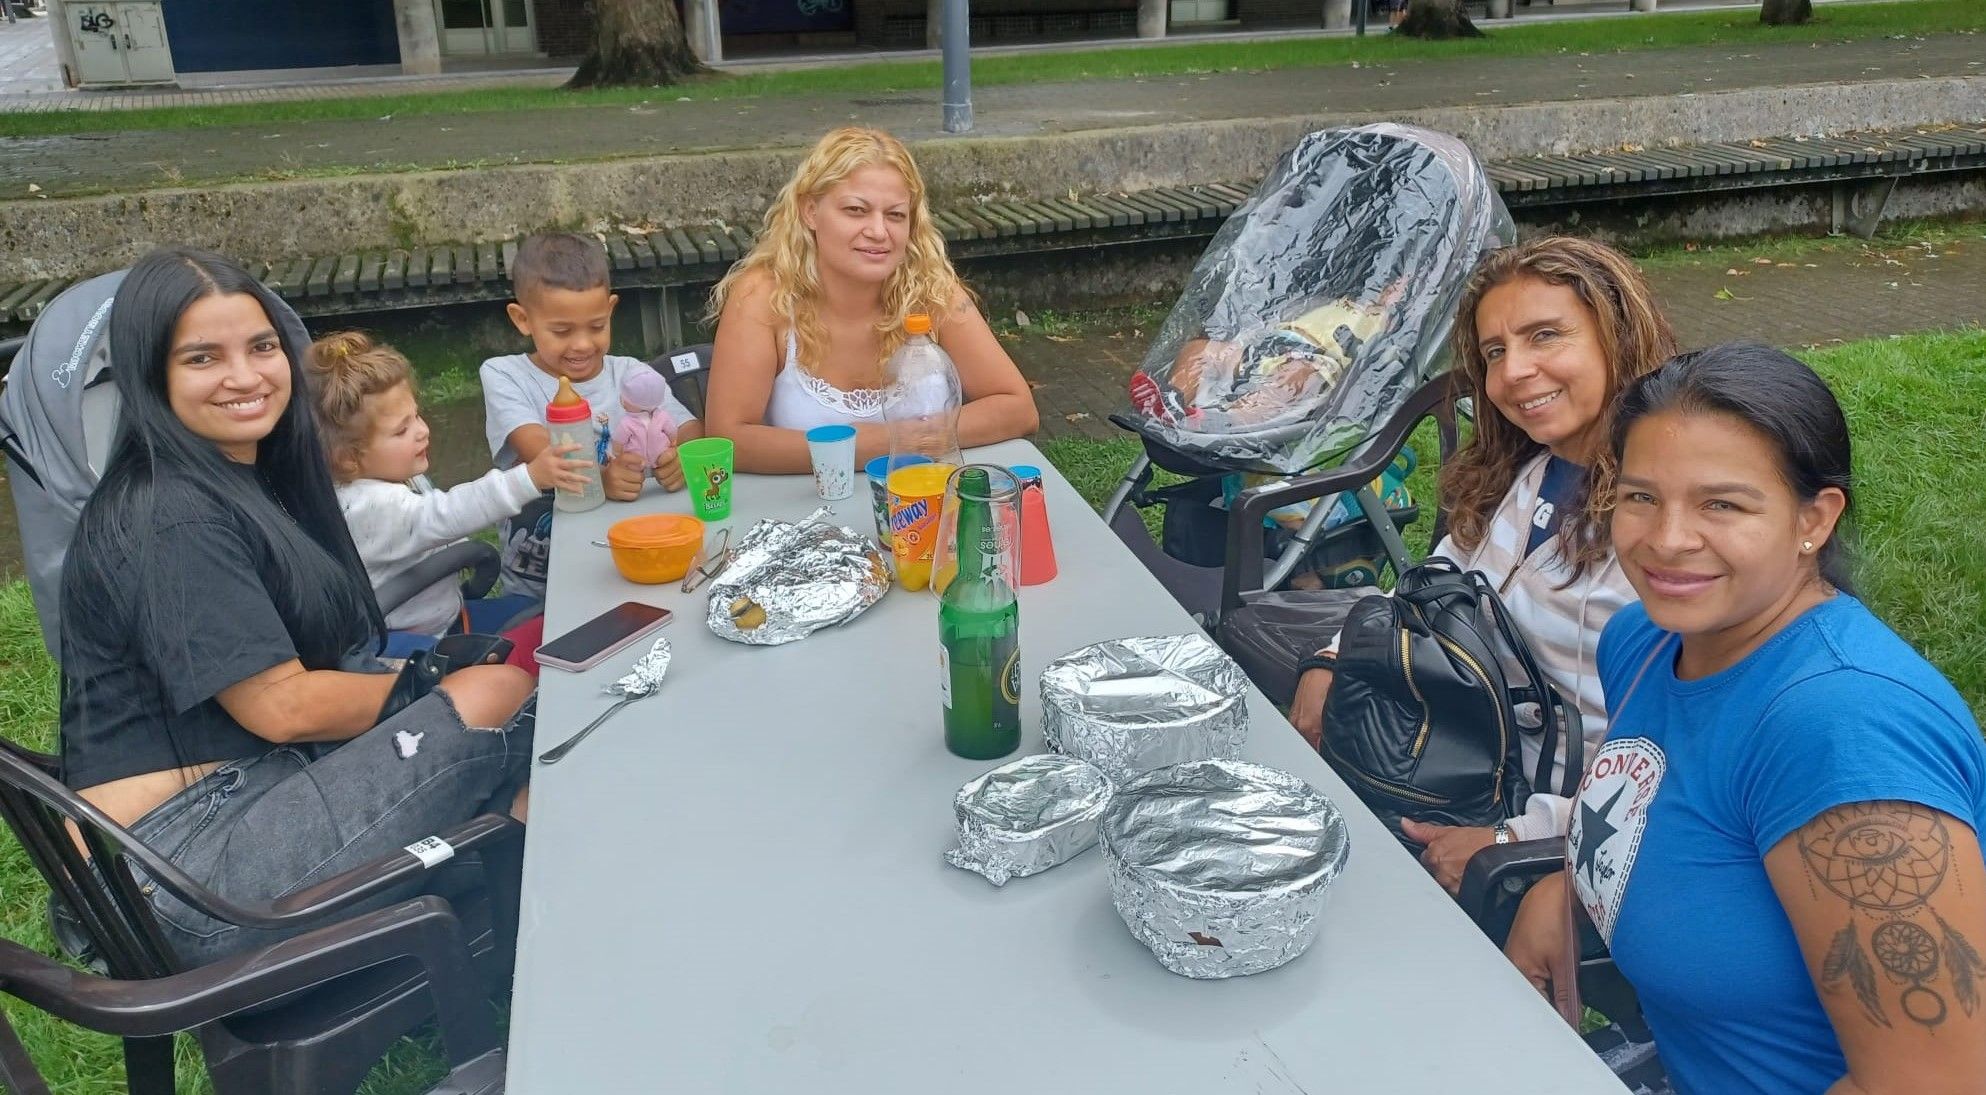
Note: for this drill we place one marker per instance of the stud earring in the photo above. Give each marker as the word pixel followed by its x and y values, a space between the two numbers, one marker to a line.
pixel 1807 546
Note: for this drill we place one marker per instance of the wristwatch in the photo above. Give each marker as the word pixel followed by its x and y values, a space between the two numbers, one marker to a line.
pixel 1503 833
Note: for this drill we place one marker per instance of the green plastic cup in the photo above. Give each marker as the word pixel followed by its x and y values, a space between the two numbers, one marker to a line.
pixel 707 473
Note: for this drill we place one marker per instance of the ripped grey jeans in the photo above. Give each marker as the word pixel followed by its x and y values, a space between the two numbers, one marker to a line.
pixel 264 827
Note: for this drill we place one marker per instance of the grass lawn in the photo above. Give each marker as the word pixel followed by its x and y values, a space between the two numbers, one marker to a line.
pixel 1736 27
pixel 1917 405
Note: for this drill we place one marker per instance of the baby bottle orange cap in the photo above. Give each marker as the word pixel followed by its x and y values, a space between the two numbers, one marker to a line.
pixel 568 405
pixel 917 323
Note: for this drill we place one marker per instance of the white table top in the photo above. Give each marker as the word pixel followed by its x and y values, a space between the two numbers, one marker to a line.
pixel 738 884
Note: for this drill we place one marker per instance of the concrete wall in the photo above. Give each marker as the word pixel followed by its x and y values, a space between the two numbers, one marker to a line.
pixel 72 236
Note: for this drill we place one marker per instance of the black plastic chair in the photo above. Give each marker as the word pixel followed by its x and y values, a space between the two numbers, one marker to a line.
pixel 687 369
pixel 309 1014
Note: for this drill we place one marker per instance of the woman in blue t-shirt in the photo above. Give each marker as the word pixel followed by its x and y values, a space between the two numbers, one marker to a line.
pixel 1779 838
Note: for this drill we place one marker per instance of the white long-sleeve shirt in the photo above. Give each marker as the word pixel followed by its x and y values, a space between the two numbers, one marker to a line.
pixel 395 526
pixel 1561 625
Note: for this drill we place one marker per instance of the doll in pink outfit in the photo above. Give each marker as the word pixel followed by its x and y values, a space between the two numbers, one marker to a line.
pixel 645 428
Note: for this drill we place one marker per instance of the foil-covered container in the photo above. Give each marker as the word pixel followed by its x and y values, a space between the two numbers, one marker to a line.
pixel 1025 817
pixel 1221 866
pixel 1131 705
pixel 787 581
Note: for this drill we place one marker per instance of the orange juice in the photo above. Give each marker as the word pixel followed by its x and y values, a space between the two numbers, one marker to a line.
pixel 916 495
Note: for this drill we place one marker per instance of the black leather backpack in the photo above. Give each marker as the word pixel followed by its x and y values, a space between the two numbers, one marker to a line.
pixel 1422 720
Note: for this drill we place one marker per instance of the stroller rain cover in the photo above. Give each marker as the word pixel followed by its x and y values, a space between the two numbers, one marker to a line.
pixel 1323 302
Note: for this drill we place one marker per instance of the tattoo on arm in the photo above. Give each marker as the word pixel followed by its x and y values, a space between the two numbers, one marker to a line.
pixel 1886 859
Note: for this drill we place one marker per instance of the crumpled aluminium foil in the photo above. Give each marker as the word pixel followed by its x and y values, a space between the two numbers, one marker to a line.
pixel 1027 816
pixel 1131 705
pixel 645 676
pixel 1221 866
pixel 787 581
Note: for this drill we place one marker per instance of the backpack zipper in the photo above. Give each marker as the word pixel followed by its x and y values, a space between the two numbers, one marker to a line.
pixel 1342 766
pixel 1502 727
pixel 1407 670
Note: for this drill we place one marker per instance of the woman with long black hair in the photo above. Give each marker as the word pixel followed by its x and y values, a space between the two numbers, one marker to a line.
pixel 211 601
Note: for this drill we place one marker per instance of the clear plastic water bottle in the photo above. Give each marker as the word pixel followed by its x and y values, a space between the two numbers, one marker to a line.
pixel 921 398
pixel 569 419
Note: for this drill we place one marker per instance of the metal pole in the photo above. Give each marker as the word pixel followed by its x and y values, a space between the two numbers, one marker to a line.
pixel 1362 5
pixel 957 35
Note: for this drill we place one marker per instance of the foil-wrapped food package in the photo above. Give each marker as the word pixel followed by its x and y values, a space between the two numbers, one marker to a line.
pixel 1221 866
pixel 1027 816
pixel 1131 705
pixel 787 581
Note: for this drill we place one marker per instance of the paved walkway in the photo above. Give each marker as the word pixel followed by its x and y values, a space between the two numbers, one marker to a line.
pixel 99 162
pixel 30 77
pixel 1840 291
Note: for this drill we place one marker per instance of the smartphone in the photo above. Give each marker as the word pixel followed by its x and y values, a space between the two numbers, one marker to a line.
pixel 590 643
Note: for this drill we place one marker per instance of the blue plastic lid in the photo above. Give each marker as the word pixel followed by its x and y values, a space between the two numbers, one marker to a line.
pixel 831 433
pixel 879 468
pixel 1025 472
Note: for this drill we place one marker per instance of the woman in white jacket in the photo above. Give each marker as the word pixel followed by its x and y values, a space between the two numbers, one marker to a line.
pixel 1547 334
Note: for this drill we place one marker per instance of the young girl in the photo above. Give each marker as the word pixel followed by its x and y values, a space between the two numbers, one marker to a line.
pixel 210 603
pixel 806 321
pixel 377 445
pixel 1779 839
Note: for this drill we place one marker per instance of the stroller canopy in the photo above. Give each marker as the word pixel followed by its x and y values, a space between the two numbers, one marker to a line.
pixel 1323 303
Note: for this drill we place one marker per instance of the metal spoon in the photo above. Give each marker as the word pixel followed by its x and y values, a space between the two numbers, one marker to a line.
pixel 640 682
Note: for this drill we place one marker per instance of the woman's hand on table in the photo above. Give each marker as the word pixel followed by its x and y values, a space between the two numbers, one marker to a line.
pixel 621 476
pixel 1448 848
pixel 1540 943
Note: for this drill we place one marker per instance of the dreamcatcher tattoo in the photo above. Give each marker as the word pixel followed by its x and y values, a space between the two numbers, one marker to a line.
pixel 1886 859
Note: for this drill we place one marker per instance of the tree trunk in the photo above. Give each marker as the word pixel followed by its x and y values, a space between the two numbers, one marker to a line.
pixel 636 43
pixel 1438 19
pixel 1780 13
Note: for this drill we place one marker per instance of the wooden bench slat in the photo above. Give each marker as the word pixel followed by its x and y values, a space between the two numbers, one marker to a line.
pixel 618 254
pixel 28 309
pixel 706 244
pixel 742 238
pixel 1201 199
pixel 950 226
pixel 1079 219
pixel 1122 213
pixel 394 277
pixel 727 247
pixel 1234 194
pixel 12 296
pixel 509 254
pixel 982 228
pixel 1162 212
pixel 441 266
pixel 370 269
pixel 1026 216
pixel 644 255
pixel 317 283
pixel 487 266
pixel 1056 219
pixel 1007 223
pixel 665 251
pixel 417 268
pixel 1176 210
pixel 686 251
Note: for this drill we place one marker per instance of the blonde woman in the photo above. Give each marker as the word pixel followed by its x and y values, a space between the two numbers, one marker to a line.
pixel 806 321
pixel 1547 334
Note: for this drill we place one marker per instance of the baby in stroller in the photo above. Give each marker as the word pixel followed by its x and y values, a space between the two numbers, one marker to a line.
pixel 1316 312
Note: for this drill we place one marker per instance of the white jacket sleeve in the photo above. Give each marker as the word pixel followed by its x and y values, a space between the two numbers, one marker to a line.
pixel 391 522
pixel 1543 816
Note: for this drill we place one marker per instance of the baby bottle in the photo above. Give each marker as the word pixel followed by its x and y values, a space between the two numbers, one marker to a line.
pixel 569 419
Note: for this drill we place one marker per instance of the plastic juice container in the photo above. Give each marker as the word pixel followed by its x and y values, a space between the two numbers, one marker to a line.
pixel 569 419
pixel 916 495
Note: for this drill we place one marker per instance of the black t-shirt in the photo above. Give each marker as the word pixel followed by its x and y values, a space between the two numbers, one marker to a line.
pixel 1558 494
pixel 195 618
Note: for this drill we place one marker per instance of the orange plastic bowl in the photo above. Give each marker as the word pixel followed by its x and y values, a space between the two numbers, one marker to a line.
pixel 655 548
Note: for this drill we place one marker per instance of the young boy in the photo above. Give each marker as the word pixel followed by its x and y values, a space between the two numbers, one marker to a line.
pixel 377 446
pixel 565 307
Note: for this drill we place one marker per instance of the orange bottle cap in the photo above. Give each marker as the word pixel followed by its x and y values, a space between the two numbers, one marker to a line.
pixel 568 405
pixel 917 323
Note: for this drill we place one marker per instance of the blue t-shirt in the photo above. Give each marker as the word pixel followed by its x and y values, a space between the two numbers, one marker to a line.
pixel 1699 779
pixel 1558 492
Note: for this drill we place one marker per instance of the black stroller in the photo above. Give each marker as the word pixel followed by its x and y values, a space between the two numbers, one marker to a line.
pixel 1310 341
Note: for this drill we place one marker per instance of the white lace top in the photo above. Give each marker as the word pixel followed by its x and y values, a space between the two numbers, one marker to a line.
pixel 800 400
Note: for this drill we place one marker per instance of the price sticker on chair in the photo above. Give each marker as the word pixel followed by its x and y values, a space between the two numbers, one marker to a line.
pixel 432 851
pixel 685 362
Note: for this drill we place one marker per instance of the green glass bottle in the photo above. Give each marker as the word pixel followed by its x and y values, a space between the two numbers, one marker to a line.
pixel 979 634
